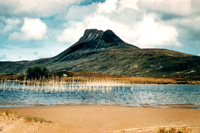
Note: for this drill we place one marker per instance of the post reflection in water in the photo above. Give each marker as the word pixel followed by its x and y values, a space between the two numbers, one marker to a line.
pixel 15 94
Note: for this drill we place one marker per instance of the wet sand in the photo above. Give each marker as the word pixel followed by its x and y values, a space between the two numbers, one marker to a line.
pixel 102 118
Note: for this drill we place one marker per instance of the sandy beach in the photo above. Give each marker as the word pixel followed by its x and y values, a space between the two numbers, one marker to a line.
pixel 102 118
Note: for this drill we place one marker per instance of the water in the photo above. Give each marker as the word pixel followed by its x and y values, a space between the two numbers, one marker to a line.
pixel 16 95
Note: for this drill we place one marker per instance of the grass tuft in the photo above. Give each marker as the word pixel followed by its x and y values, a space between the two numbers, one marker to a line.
pixel 13 116
pixel 10 115
pixel 28 118
pixel 174 130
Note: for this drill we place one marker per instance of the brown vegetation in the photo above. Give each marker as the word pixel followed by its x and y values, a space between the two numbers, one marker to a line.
pixel 174 130
pixel 13 116
pixel 99 77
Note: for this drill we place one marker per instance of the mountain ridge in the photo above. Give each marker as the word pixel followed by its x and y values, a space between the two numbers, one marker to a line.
pixel 94 39
pixel 104 52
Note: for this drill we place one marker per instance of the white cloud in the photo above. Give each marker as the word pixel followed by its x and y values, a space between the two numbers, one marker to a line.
pixel 76 12
pixel 142 30
pixel 41 8
pixel 195 6
pixel 144 23
pixel 75 29
pixel 176 7
pixel 128 4
pixel 191 23
pixel 11 24
pixel 108 6
pixel 156 34
pixel 100 22
pixel 72 33
pixel 32 29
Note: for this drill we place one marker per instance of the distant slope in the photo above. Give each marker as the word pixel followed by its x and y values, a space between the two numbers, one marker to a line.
pixel 105 52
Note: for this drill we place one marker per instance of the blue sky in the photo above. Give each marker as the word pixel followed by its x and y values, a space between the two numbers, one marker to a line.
pixel 32 29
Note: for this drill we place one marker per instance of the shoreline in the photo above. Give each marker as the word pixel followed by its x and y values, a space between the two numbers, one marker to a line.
pixel 108 118
pixel 162 106
pixel 132 83
pixel 96 77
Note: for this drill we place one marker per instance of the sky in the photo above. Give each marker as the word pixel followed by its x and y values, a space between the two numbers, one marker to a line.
pixel 33 29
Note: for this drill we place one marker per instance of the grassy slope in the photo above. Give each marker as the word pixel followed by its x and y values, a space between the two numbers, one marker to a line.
pixel 141 62
pixel 130 62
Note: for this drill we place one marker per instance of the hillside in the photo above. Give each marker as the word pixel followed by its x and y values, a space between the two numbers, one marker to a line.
pixel 104 52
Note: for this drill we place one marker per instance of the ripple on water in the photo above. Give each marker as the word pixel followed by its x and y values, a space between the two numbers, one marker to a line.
pixel 172 96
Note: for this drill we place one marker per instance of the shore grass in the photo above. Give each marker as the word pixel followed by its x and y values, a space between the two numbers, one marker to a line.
pixel 35 119
pixel 174 130
pixel 99 77
pixel 26 118
pixel 61 84
pixel 125 80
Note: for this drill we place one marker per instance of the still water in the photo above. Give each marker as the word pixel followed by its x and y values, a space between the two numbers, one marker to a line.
pixel 125 95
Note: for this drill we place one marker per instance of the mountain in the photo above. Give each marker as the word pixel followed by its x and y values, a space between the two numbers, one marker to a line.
pixel 104 52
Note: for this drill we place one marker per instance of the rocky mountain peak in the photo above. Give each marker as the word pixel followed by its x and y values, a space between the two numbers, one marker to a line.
pixel 94 39
pixel 109 36
pixel 93 34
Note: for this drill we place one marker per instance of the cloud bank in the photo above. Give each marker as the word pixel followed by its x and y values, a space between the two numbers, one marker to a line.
pixel 128 21
pixel 32 29
pixel 145 23
pixel 35 8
